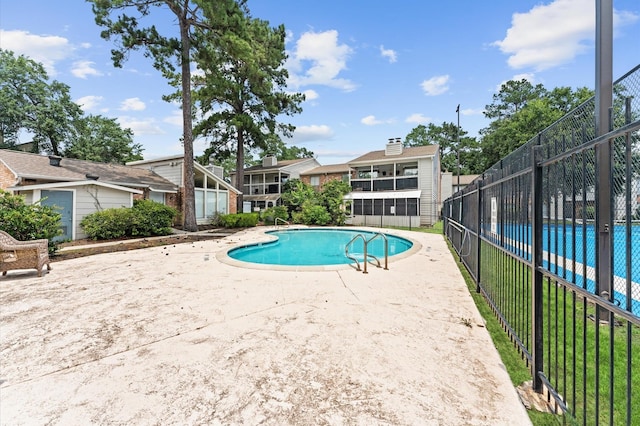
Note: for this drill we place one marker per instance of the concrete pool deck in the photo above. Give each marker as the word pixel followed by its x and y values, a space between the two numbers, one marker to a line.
pixel 172 335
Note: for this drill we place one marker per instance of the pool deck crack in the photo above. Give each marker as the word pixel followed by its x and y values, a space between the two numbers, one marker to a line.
pixel 346 286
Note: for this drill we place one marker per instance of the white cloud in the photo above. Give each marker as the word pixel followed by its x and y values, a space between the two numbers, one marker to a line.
pixel 311 133
pixel 319 59
pixel 389 54
pixel 132 104
pixel 82 69
pixel 417 119
pixel 435 85
pixel 46 50
pixel 310 95
pixel 174 119
pixel 88 103
pixel 553 34
pixel 370 120
pixel 141 127
pixel 471 111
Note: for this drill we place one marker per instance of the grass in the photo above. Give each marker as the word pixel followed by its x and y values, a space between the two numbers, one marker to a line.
pixel 569 359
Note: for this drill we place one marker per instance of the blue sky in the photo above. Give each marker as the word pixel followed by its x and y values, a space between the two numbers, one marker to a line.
pixel 371 70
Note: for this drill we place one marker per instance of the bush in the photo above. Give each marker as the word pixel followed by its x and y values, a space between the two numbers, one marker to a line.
pixel 313 214
pixel 151 218
pixel 107 224
pixel 268 216
pixel 239 220
pixel 145 219
pixel 29 222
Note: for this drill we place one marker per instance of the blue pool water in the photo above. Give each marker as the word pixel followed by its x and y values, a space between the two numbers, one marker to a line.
pixel 578 244
pixel 298 247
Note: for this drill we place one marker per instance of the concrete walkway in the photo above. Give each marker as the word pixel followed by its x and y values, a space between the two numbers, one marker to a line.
pixel 183 335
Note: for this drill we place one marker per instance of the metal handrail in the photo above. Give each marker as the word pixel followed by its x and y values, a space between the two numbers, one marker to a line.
pixel 366 255
pixel 275 222
pixel 346 252
pixel 386 249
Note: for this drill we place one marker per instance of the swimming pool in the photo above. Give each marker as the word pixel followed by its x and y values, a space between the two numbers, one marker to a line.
pixel 317 246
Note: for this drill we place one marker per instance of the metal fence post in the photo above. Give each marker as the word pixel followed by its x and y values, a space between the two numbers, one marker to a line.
pixel 537 331
pixel 478 234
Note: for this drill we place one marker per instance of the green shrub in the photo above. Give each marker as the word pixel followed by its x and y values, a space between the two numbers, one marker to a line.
pixel 145 219
pixel 29 222
pixel 239 220
pixel 268 216
pixel 107 224
pixel 151 218
pixel 313 214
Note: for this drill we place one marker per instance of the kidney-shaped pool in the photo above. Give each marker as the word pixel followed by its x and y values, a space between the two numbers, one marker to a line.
pixel 317 246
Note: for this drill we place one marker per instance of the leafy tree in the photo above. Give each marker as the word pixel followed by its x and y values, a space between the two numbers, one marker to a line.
pixel 241 93
pixel 102 139
pixel 331 198
pixel 294 193
pixel 520 111
pixel 169 54
pixel 30 102
pixel 512 97
pixel 446 136
pixel 275 146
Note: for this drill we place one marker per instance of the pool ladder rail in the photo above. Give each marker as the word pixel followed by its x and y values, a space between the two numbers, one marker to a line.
pixel 281 220
pixel 366 255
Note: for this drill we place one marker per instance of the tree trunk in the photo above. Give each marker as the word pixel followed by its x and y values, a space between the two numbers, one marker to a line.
pixel 189 212
pixel 240 169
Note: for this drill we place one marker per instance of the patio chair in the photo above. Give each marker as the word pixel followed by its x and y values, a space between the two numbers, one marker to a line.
pixel 16 254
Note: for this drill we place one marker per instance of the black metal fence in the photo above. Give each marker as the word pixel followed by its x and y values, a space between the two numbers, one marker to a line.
pixel 551 235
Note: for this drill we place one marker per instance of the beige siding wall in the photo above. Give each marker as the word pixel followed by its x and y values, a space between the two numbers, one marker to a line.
pixel 428 206
pixel 90 199
pixel 170 170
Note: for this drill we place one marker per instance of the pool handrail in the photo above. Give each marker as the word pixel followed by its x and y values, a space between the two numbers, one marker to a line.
pixel 386 249
pixel 346 252
pixel 281 219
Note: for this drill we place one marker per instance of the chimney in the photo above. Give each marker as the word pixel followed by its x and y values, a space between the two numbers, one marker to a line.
pixel 394 147
pixel 54 160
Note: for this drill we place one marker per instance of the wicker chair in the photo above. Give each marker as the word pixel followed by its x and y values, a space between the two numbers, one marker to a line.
pixel 16 254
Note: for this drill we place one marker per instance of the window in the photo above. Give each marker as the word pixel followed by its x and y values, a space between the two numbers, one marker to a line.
pixel 158 197
pixel 315 180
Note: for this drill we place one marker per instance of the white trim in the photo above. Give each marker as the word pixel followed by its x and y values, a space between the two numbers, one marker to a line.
pixel 377 195
pixel 72 184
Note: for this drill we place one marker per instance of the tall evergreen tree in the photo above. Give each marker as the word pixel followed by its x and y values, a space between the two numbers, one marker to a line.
pixel 242 90
pixel 171 55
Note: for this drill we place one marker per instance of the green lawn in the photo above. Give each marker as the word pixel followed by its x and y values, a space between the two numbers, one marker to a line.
pixel 572 361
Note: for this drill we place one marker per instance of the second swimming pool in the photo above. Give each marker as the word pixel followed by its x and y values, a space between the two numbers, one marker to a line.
pixel 317 246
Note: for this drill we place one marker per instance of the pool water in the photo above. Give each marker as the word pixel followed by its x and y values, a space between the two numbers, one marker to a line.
pixel 302 247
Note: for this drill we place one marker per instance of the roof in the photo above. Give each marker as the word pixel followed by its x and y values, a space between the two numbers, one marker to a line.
pixel 35 166
pixel 328 169
pixel 407 153
pixel 464 179
pixel 280 165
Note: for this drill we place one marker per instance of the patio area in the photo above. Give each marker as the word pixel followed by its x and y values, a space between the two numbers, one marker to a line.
pixel 172 335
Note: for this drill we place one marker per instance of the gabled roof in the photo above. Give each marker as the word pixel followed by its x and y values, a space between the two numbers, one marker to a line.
pixel 282 164
pixel 407 153
pixel 464 179
pixel 38 167
pixel 328 169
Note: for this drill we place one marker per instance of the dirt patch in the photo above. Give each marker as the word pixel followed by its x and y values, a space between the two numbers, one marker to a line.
pixel 88 247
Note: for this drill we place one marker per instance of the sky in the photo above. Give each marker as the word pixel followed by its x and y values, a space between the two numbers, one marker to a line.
pixel 371 70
